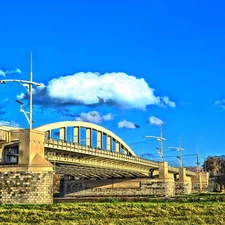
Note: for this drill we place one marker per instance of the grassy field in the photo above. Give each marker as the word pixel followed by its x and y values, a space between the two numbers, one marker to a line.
pixel 116 212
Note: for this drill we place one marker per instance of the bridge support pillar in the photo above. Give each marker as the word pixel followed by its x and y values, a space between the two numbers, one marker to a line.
pixel 197 182
pixel 167 179
pixel 183 184
pixel 31 180
pixel 205 180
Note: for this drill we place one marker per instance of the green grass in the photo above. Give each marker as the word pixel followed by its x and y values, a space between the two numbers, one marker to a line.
pixel 115 212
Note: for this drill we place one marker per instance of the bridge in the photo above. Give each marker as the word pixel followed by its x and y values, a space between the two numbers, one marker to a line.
pixel 83 151
pixel 104 154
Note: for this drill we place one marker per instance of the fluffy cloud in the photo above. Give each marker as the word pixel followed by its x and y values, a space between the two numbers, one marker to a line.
pixel 127 124
pixel 7 72
pixel 94 117
pixel 93 89
pixel 8 123
pixel 155 120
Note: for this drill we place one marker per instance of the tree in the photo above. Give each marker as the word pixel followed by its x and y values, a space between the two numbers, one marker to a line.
pixel 215 165
pixel 210 165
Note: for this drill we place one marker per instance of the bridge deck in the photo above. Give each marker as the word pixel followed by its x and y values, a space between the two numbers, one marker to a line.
pixel 86 160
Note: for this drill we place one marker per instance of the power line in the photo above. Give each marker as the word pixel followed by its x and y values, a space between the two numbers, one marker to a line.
pixel 190 158
pixel 139 142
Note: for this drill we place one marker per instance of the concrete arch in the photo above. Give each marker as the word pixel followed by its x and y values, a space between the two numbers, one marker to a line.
pixel 64 124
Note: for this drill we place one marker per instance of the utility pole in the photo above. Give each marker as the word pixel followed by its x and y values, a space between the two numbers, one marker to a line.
pixel 160 139
pixel 179 149
pixel 29 84
pixel 30 93
pixel 198 163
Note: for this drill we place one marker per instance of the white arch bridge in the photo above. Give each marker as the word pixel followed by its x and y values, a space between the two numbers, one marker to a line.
pixel 83 150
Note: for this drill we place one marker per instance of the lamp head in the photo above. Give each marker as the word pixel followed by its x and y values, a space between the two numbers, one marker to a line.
pixel 19 102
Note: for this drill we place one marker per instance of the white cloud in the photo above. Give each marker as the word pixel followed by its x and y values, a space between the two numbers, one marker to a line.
pixel 107 117
pixel 90 88
pixel 94 117
pixel 127 124
pixel 220 103
pixel 8 123
pixel 166 100
pixel 155 120
pixel 4 73
pixel 20 96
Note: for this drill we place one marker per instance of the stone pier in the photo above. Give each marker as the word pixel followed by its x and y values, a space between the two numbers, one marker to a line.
pixel 197 182
pixel 183 184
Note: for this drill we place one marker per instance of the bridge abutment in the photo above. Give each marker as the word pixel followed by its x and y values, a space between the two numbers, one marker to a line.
pixel 30 179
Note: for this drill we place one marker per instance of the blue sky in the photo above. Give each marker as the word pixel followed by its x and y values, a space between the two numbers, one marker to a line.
pixel 125 65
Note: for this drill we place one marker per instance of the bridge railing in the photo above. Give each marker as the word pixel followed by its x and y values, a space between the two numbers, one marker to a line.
pixel 95 151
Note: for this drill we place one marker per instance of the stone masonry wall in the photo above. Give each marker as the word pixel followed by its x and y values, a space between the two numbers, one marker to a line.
pixel 196 187
pixel 72 188
pixel 183 188
pixel 26 187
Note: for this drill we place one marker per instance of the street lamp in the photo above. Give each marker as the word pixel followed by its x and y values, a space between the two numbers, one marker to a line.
pixel 23 111
pixel 23 83
pixel 179 149
pixel 160 139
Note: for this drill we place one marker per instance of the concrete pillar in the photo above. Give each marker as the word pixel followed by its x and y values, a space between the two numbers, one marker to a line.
pixel 182 174
pixel 99 139
pixel 31 143
pixel 109 143
pixel 117 146
pixel 62 133
pixel 76 138
pixel 197 182
pixel 88 137
pixel 163 171
pixel 205 180
pixel 48 134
